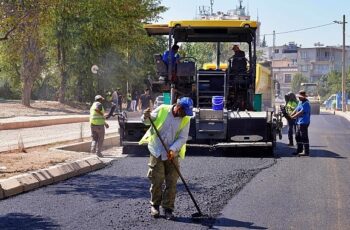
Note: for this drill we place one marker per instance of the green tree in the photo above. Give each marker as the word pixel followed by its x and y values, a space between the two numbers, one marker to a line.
pixel 66 38
pixel 298 78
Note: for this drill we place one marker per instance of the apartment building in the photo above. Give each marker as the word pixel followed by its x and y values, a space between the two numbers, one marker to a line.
pixel 284 64
pixel 316 62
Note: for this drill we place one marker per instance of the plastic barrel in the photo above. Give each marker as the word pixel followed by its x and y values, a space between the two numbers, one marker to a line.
pixel 217 102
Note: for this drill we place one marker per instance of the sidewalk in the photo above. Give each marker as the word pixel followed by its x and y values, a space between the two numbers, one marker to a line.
pixel 346 114
pixel 37 121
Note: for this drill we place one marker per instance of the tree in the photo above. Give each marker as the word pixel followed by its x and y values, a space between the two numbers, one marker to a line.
pixel 23 20
pixel 65 38
pixel 298 78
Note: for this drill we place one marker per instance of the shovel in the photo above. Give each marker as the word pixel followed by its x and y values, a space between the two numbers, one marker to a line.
pixel 198 214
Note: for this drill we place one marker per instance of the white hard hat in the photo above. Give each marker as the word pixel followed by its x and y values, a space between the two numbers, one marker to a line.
pixel 98 97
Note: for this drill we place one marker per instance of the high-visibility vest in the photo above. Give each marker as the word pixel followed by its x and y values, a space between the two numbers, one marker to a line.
pixel 163 112
pixel 290 107
pixel 96 118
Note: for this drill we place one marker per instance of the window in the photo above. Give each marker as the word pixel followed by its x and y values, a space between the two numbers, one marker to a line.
pixel 321 69
pixel 304 68
pixel 287 78
pixel 277 51
pixel 326 54
pixel 303 54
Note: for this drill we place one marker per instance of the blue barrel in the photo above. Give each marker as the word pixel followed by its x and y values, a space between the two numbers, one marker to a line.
pixel 217 102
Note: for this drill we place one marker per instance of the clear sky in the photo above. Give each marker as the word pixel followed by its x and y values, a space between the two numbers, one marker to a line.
pixel 279 15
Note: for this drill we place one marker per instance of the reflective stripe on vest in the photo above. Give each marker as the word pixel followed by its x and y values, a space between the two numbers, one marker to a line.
pixel 96 118
pixel 162 115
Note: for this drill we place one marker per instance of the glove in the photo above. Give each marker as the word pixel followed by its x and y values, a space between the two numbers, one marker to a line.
pixel 106 125
pixel 171 155
pixel 147 114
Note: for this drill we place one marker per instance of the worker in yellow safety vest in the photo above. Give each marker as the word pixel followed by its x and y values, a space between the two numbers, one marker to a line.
pixel 98 124
pixel 173 122
pixel 291 104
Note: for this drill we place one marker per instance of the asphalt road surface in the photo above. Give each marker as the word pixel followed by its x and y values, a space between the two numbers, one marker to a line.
pixel 250 192
pixel 300 192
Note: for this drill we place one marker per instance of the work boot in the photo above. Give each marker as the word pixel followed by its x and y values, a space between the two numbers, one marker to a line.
pixel 307 149
pixel 168 214
pixel 155 211
pixel 99 155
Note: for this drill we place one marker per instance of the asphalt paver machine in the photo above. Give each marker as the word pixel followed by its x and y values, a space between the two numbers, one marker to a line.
pixel 238 121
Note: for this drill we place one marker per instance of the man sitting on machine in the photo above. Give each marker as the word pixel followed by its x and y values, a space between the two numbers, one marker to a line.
pixel 238 62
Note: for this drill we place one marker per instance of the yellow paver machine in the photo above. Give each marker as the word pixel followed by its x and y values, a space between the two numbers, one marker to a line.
pixel 228 111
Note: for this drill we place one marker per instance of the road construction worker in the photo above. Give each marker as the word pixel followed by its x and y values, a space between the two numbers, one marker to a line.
pixel 174 57
pixel 98 124
pixel 302 116
pixel 173 122
pixel 291 104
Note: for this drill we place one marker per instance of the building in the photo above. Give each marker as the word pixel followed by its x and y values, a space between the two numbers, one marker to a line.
pixel 284 64
pixel 316 62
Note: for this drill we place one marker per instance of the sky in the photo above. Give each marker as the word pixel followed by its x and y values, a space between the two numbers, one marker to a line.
pixel 281 16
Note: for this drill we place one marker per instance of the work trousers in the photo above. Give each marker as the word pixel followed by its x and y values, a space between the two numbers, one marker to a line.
pixel 98 135
pixel 302 138
pixel 163 172
pixel 291 129
pixel 133 105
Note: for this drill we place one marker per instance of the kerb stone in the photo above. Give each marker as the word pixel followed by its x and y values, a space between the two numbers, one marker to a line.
pixel 11 186
pixel 28 181
pixel 43 177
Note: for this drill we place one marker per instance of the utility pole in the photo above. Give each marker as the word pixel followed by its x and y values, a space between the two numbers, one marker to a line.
pixel 343 70
pixel 273 44
pixel 343 83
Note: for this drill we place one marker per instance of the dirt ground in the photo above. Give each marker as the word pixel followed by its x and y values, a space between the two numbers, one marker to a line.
pixel 13 108
pixel 16 162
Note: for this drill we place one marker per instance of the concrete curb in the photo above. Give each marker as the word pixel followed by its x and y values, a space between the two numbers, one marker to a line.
pixel 38 122
pixel 32 180
pixel 342 114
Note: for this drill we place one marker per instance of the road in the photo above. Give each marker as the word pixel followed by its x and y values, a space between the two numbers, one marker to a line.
pixel 300 193
pixel 249 192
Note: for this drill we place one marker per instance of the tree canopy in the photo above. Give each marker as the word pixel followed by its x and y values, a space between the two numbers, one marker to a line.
pixel 47 47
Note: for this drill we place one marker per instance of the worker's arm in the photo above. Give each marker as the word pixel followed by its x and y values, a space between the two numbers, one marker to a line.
pixel 99 112
pixel 149 114
pixel 297 114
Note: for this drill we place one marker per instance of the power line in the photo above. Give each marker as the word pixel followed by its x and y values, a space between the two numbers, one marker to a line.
pixel 308 28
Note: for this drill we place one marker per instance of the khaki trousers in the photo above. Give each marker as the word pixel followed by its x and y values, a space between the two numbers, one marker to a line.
pixel 98 136
pixel 163 172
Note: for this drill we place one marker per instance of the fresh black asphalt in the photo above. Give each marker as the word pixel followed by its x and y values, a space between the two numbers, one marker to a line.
pixel 117 197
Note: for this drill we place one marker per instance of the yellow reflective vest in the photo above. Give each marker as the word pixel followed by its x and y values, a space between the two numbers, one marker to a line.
pixel 96 118
pixel 290 107
pixel 163 112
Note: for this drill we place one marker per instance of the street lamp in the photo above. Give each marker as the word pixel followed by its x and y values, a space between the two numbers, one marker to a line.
pixel 343 66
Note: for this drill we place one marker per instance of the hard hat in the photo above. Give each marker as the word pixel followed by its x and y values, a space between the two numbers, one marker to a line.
pixel 98 97
pixel 187 105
